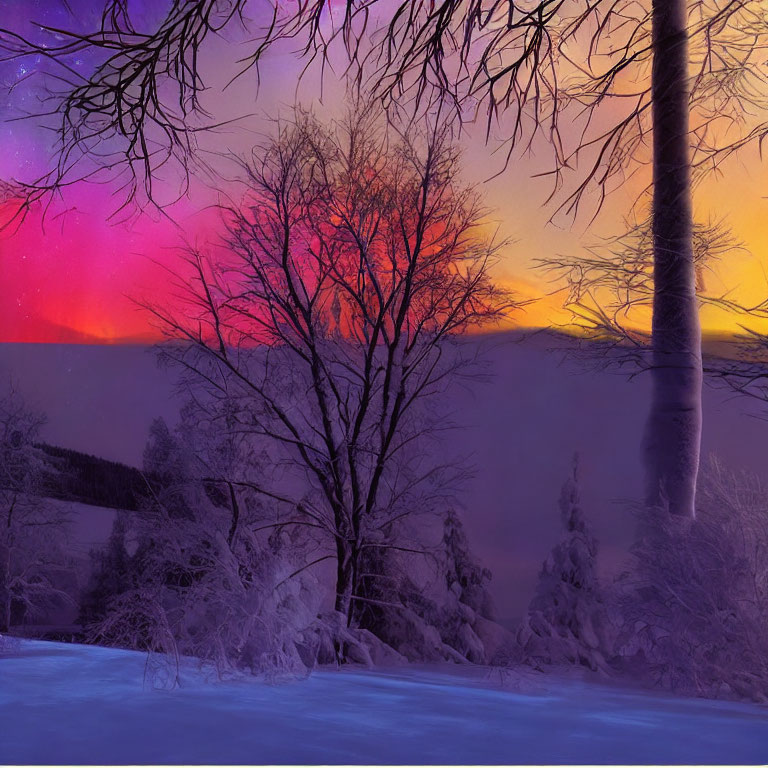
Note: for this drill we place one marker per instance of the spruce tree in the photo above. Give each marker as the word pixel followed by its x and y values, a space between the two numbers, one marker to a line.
pixel 565 624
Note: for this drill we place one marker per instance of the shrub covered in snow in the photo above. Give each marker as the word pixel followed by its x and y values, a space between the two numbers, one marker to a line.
pixel 230 606
pixel 36 572
pixel 695 602
pixel 208 578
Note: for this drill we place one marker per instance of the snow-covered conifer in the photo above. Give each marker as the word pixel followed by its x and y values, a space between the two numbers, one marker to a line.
pixel 565 624
pixel 443 613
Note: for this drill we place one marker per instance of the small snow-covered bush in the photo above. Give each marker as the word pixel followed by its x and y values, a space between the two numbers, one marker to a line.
pixel 210 577
pixel 234 604
pixel 695 602
pixel 9 645
pixel 138 619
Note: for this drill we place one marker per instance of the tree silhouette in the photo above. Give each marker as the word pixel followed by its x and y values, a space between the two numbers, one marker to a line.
pixel 329 318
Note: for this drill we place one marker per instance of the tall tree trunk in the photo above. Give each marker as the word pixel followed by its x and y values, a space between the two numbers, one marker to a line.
pixel 5 577
pixel 5 614
pixel 235 514
pixel 673 431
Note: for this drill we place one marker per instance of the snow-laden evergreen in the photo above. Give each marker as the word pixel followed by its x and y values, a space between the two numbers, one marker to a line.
pixel 444 612
pixel 566 621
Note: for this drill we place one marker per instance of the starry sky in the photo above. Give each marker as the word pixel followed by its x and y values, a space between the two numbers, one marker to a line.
pixel 69 273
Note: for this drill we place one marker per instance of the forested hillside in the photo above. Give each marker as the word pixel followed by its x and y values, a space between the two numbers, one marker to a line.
pixel 88 479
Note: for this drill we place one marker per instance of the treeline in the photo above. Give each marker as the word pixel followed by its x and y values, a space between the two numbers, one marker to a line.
pixel 92 480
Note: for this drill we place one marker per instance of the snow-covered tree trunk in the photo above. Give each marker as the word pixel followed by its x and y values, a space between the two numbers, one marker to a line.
pixel 5 579
pixel 5 615
pixel 673 431
pixel 344 578
pixel 6 625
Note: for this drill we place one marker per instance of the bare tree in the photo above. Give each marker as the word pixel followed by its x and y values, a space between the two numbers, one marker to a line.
pixel 330 315
pixel 543 62
pixel 684 117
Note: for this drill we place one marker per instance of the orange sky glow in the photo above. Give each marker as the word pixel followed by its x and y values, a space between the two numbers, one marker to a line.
pixel 71 275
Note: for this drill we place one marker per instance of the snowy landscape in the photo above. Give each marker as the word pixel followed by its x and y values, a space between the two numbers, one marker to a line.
pixel 383 382
pixel 414 713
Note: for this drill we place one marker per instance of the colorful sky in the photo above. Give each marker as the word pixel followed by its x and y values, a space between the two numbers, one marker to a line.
pixel 70 275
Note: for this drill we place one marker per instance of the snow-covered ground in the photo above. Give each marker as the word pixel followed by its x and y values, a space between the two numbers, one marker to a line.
pixel 75 704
